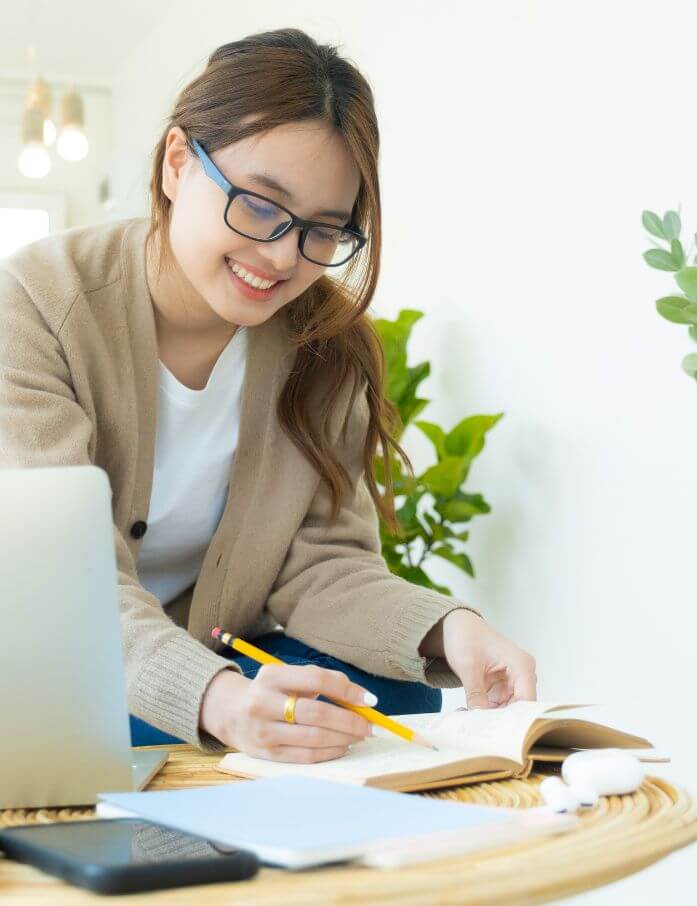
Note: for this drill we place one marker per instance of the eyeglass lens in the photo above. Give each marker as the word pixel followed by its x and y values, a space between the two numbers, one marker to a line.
pixel 260 219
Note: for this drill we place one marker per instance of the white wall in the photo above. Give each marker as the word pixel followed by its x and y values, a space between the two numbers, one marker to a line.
pixel 520 142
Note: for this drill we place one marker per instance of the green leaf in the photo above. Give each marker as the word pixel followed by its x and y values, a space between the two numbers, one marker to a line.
pixel 461 560
pixel 671 225
pixel 436 435
pixel 676 252
pixel 410 408
pixel 653 224
pixel 406 400
pixel 462 507
pixel 677 309
pixel 402 324
pixel 437 532
pixel 395 336
pixel 379 469
pixel 445 478
pixel 693 332
pixel 407 513
pixel 689 364
pixel 401 482
pixel 392 557
pixel 417 576
pixel 686 278
pixel 660 259
pixel 443 589
pixel 467 437
pixel 401 381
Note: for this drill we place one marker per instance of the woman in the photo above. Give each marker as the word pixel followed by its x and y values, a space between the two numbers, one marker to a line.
pixel 230 383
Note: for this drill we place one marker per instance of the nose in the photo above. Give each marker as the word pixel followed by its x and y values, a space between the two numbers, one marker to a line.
pixel 282 253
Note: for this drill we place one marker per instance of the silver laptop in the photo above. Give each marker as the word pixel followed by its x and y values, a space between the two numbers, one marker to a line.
pixel 64 728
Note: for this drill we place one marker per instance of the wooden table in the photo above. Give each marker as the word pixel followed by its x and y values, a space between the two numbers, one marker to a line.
pixel 620 836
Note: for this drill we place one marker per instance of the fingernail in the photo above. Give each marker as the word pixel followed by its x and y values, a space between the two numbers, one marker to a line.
pixel 370 699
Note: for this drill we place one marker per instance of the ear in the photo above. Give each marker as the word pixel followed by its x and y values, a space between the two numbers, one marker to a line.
pixel 176 158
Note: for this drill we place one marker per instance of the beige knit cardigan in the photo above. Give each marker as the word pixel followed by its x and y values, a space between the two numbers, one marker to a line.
pixel 79 384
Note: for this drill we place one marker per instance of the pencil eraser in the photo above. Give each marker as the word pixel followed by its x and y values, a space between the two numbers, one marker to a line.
pixel 216 632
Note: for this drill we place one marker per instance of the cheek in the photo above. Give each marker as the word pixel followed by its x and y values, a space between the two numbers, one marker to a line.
pixel 191 246
pixel 306 274
pixel 199 236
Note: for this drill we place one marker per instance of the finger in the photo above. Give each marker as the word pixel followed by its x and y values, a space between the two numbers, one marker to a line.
pixel 500 694
pixel 497 668
pixel 473 678
pixel 312 713
pixel 309 679
pixel 303 755
pixel 524 681
pixel 272 734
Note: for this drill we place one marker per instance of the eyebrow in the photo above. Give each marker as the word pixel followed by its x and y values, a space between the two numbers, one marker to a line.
pixel 265 179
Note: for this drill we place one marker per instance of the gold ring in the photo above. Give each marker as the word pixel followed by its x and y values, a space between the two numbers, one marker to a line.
pixel 289 709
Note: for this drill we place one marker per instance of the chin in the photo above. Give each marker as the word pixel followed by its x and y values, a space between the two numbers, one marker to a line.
pixel 248 317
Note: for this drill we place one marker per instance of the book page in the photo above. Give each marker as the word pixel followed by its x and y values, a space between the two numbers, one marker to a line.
pixel 482 731
pixel 368 758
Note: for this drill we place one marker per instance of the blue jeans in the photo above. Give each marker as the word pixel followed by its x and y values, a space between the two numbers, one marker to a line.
pixel 394 696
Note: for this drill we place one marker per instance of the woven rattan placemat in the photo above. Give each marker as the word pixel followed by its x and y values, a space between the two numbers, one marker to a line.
pixel 621 835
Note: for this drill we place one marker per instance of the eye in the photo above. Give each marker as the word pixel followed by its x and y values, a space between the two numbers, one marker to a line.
pixel 259 207
pixel 326 235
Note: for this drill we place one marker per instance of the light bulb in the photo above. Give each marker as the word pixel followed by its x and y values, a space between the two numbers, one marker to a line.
pixel 34 161
pixel 72 143
pixel 49 132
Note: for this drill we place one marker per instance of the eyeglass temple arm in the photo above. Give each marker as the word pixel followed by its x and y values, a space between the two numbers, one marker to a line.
pixel 211 169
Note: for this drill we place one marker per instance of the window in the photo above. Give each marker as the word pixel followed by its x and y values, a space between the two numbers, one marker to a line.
pixel 27 217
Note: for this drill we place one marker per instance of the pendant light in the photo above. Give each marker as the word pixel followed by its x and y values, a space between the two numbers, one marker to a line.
pixel 72 142
pixel 33 161
pixel 39 95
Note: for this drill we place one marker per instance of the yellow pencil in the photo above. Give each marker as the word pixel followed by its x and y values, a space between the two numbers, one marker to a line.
pixel 370 714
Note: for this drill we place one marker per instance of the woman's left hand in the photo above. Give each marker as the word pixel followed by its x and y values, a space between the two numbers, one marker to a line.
pixel 493 670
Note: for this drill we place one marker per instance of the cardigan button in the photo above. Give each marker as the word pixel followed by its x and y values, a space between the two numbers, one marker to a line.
pixel 138 529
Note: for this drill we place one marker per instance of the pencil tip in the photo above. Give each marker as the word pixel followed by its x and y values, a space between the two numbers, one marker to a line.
pixel 422 741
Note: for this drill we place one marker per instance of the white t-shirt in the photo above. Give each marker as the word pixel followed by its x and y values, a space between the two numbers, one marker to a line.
pixel 196 437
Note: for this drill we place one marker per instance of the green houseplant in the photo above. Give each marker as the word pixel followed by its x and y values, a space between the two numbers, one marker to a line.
pixel 669 254
pixel 435 510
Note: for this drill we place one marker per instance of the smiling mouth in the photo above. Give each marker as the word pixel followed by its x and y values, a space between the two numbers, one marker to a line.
pixel 233 264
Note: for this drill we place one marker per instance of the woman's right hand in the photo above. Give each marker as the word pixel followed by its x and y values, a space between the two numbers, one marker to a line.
pixel 247 714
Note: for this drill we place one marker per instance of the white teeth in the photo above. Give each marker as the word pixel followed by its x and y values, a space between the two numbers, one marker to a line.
pixel 251 279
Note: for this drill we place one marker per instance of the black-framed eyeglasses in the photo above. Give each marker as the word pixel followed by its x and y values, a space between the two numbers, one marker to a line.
pixel 264 220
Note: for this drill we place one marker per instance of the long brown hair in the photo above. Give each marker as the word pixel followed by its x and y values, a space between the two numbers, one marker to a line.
pixel 250 86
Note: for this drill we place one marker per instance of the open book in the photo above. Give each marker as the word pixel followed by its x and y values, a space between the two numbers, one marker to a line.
pixel 477 745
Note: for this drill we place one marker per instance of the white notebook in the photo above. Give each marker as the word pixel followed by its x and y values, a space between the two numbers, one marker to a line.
pixel 299 822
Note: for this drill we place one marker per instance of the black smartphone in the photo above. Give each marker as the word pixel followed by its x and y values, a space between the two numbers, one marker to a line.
pixel 124 855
